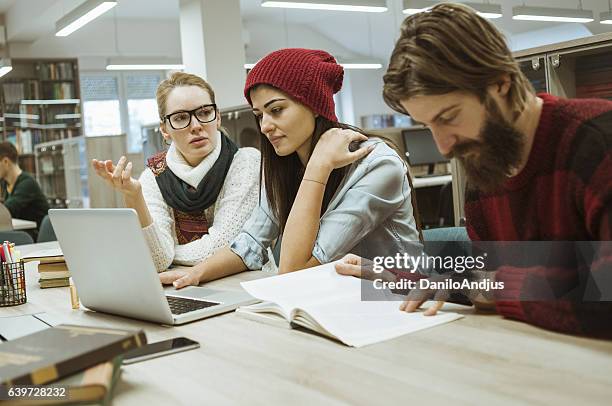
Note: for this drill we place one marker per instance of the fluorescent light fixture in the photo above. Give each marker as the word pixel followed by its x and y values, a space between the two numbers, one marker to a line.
pixel 605 18
pixel 5 66
pixel 86 12
pixel 361 65
pixel 144 63
pixel 51 101
pixel 417 6
pixel 486 10
pixel 146 67
pixel 367 6
pixel 552 14
pixel 345 65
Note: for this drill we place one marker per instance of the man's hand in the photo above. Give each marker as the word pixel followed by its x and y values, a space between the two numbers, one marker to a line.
pixel 482 299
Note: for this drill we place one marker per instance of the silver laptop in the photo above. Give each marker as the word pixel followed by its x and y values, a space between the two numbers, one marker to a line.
pixel 113 271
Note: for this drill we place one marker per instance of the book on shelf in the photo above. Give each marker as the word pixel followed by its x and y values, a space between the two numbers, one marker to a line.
pixel 55 70
pixel 329 304
pixel 94 384
pixel 60 351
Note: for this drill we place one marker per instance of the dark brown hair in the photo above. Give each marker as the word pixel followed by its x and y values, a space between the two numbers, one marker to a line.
pixel 8 150
pixel 282 175
pixel 451 48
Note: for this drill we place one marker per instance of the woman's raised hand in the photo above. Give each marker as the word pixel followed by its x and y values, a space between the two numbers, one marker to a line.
pixel 119 176
pixel 332 150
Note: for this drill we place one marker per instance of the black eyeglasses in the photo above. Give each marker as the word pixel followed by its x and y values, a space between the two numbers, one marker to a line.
pixel 182 119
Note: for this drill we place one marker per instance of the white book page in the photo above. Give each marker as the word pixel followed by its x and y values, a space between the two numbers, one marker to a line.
pixel 301 288
pixel 52 252
pixel 358 323
pixel 334 302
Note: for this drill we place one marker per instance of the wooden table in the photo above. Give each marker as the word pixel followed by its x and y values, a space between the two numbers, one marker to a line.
pixel 19 224
pixel 480 359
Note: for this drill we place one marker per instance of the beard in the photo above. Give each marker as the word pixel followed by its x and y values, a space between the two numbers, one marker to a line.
pixel 489 161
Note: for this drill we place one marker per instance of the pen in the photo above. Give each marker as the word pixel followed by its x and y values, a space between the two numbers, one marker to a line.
pixel 74 298
pixel 7 254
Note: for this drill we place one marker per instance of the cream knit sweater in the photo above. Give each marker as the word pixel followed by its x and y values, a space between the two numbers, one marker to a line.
pixel 236 201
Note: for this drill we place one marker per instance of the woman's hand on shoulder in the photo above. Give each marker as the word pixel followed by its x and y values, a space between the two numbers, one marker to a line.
pixel 332 150
pixel 118 176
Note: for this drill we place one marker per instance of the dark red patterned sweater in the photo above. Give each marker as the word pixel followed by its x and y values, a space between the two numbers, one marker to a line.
pixel 564 193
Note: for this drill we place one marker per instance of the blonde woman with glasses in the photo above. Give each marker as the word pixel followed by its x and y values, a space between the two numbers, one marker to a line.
pixel 193 198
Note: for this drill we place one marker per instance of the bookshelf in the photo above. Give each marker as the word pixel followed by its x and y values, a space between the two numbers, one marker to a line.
pixel 39 103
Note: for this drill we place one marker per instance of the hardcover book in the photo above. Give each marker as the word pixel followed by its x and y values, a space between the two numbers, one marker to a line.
pixel 54 353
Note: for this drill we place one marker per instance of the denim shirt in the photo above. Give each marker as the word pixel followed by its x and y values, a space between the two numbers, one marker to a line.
pixel 369 215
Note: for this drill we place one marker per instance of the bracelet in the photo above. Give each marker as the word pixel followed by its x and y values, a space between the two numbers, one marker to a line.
pixel 312 180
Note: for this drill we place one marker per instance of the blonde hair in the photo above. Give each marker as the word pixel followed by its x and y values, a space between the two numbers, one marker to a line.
pixel 178 79
pixel 451 48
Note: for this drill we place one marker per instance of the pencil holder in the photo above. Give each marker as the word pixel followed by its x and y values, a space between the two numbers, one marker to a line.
pixel 12 284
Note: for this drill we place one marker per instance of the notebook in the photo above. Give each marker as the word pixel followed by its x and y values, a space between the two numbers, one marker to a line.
pixel 321 300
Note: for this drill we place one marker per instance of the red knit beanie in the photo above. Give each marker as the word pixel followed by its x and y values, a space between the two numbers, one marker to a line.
pixel 310 76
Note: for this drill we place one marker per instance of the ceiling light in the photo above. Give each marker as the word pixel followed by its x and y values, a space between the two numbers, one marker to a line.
pixel 5 66
pixel 81 15
pixel 145 67
pixel 552 14
pixel 417 6
pixel 368 6
pixel 606 18
pixel 486 10
pixel 345 65
pixel 144 63
pixel 352 65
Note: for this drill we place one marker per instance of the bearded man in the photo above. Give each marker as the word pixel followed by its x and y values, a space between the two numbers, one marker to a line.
pixel 538 167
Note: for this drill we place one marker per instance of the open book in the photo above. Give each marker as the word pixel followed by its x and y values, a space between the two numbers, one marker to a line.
pixel 330 304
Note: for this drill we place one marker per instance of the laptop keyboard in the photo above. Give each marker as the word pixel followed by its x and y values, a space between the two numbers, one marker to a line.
pixel 180 305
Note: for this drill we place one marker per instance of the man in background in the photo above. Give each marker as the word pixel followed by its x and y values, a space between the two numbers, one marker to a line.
pixel 21 193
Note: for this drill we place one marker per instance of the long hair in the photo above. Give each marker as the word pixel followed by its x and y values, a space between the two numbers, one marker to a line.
pixel 451 48
pixel 282 175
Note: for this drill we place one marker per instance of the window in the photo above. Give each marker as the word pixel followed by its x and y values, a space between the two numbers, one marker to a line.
pixel 141 105
pixel 119 102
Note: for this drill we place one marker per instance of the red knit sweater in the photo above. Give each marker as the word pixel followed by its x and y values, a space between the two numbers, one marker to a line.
pixel 564 193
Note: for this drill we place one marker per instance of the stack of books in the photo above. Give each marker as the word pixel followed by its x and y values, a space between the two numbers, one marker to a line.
pixel 52 269
pixel 86 361
pixel 53 272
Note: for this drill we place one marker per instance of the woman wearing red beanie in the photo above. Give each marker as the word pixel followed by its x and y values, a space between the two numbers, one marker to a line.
pixel 324 194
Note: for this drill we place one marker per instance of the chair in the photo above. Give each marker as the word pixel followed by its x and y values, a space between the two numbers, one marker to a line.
pixel 447 241
pixel 6 219
pixel 446 234
pixel 17 237
pixel 46 232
